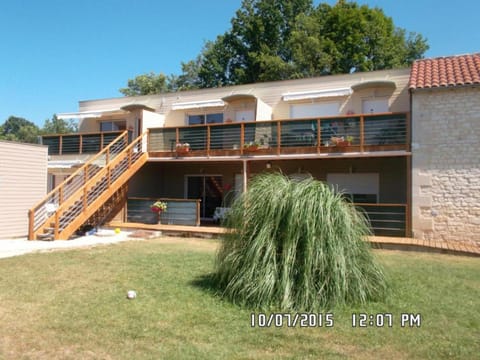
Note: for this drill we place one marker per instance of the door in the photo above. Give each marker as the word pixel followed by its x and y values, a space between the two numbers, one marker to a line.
pixel 207 188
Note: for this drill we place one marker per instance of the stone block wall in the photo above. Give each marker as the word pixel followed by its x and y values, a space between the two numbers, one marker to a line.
pixel 446 164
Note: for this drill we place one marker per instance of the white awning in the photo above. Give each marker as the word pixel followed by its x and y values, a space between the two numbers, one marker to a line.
pixel 88 114
pixel 197 104
pixel 305 95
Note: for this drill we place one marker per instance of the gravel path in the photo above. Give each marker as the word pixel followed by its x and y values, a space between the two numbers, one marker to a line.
pixel 9 248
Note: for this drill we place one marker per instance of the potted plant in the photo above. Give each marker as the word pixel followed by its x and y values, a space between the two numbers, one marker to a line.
pixel 158 207
pixel 250 146
pixel 182 148
pixel 341 141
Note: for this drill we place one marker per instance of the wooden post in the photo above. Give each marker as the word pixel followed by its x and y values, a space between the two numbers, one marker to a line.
pixel 85 195
pixel 109 177
pixel 197 220
pixel 56 225
pixel 242 137
pixel 245 175
pixel 31 220
pixel 101 141
pixel 279 137
pixel 60 194
pixel 60 145
pixel 107 156
pixel 319 135
pixel 80 149
pixel 362 133
pixel 208 140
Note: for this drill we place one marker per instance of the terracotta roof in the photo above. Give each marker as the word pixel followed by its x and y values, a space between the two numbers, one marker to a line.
pixel 445 72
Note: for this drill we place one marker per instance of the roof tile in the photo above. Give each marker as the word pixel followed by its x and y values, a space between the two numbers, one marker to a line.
pixel 445 72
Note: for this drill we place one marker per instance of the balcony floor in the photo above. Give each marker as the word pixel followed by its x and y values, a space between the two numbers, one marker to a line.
pixel 168 156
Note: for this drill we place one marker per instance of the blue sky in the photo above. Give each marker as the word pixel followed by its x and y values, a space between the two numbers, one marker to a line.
pixel 57 52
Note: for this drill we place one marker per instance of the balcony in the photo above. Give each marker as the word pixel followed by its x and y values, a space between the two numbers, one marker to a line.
pixel 353 133
pixel 86 143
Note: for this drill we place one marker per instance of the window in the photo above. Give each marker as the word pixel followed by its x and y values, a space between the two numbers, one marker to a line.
pixel 205 119
pixel 114 125
pixel 358 187
pixel 300 111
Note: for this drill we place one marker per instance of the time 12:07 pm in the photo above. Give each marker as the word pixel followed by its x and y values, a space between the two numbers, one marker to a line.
pixel 364 320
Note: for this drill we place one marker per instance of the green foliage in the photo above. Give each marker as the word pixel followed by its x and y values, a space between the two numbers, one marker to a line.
pixel 19 129
pixel 188 79
pixel 282 39
pixel 22 130
pixel 287 39
pixel 59 126
pixel 146 84
pixel 296 246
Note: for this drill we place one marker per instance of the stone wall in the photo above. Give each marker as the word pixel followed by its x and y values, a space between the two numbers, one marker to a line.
pixel 446 164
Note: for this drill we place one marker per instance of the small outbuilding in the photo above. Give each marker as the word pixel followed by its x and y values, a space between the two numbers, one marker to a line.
pixel 23 182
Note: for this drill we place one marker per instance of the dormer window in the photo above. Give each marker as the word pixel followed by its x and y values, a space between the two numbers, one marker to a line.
pixel 114 125
pixel 205 119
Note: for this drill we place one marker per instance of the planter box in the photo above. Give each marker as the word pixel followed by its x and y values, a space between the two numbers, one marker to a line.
pixel 343 143
pixel 182 150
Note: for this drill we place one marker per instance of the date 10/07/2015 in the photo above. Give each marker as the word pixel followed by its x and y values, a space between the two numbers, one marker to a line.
pixel 358 320
pixel 405 320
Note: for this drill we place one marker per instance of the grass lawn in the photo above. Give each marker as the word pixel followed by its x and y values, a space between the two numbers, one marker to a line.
pixel 72 305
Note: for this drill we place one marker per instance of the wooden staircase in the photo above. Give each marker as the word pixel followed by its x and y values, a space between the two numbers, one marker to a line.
pixel 76 201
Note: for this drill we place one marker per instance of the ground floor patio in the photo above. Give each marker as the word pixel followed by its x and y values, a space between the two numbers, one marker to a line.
pixel 197 189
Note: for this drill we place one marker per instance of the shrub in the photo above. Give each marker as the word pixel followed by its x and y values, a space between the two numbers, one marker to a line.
pixel 296 246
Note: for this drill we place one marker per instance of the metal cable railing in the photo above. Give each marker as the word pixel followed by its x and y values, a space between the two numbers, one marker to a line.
pixel 45 210
pixel 85 197
pixel 333 134
pixel 90 143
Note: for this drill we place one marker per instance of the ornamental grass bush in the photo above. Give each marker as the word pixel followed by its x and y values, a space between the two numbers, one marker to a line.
pixel 296 246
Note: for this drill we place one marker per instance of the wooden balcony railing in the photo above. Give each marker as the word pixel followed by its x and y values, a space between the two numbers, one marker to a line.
pixel 360 133
pixel 86 143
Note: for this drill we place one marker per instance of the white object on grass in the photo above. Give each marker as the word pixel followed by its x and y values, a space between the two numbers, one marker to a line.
pixel 131 294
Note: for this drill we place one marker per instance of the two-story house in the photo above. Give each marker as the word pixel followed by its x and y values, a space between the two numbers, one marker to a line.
pixel 197 149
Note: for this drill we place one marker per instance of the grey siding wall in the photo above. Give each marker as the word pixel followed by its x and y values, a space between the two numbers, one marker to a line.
pixel 23 182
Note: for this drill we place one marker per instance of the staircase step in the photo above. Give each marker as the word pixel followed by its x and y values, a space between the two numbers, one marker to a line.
pixel 45 237
pixel 74 214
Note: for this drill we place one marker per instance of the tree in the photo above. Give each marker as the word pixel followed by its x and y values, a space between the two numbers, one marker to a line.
pixel 19 129
pixel 146 84
pixel 288 39
pixel 283 39
pixel 59 126
pixel 188 80
pixel 257 45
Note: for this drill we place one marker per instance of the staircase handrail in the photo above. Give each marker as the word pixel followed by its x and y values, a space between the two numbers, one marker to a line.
pixel 80 169
pixel 97 177
pixel 83 191
pixel 105 151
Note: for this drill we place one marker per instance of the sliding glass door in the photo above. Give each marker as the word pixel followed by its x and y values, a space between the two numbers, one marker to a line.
pixel 207 188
